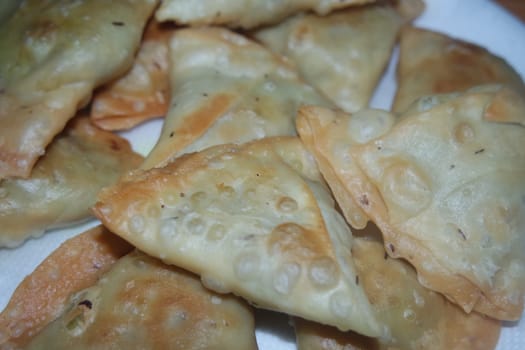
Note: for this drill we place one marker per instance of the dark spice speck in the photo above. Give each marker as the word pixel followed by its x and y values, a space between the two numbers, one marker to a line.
pixel 391 247
pixel 86 303
pixel 364 200
pixel 462 234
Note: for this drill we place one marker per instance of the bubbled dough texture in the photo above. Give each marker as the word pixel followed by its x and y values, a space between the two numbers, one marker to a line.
pixel 342 54
pixel 51 58
pixel 143 92
pixel 252 219
pixel 416 317
pixel 226 88
pixel 434 63
pixel 142 303
pixel 242 13
pixel 329 135
pixel 446 188
pixel 453 187
pixel 64 183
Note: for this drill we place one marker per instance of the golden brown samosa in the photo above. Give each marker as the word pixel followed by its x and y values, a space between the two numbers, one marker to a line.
pixel 242 13
pixel 52 55
pixel 445 184
pixel 141 303
pixel 434 63
pixel 342 54
pixel 64 182
pixel 143 92
pixel 41 297
pixel 254 219
pixel 226 88
pixel 416 318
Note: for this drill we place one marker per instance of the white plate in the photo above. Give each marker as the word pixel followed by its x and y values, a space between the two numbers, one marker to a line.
pixel 479 21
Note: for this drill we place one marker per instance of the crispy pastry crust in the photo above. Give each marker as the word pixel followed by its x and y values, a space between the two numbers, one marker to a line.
pixel 41 297
pixel 434 63
pixel 445 186
pixel 143 92
pixel 64 182
pixel 416 317
pixel 142 303
pixel 342 54
pixel 226 89
pixel 243 13
pixel 254 219
pixel 52 55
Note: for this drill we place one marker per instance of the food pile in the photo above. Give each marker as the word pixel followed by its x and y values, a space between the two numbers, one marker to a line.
pixel 272 184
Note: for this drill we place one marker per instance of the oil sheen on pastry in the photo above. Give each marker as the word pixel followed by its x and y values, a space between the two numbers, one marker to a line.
pixel 41 297
pixel 52 55
pixel 226 88
pixel 434 63
pixel 253 219
pixel 445 184
pixel 143 92
pixel 416 317
pixel 342 54
pixel 242 13
pixel 64 182
pixel 141 303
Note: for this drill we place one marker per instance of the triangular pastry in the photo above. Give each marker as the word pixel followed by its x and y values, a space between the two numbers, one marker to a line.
pixel 445 184
pixel 416 317
pixel 141 303
pixel 52 55
pixel 64 182
pixel 143 92
pixel 226 88
pixel 41 297
pixel 342 54
pixel 253 219
pixel 242 13
pixel 435 63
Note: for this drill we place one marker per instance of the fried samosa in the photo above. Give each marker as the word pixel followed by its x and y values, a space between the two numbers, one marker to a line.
pixel 143 92
pixel 41 297
pixel 226 88
pixel 53 53
pixel 64 182
pixel 435 63
pixel 342 54
pixel 242 13
pixel 445 184
pixel 416 317
pixel 142 303
pixel 253 219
